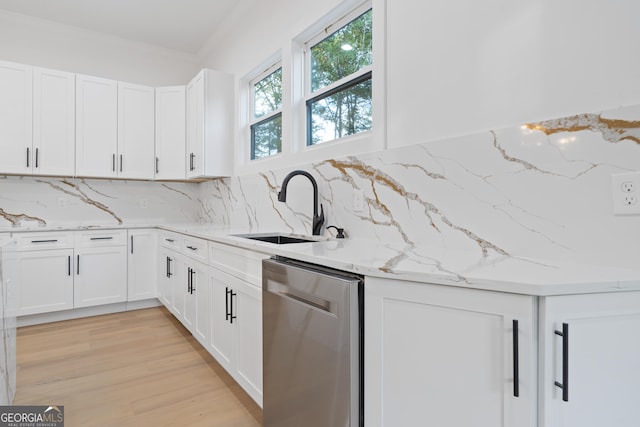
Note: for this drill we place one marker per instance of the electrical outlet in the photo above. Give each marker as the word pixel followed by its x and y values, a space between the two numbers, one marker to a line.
pixel 626 191
pixel 358 200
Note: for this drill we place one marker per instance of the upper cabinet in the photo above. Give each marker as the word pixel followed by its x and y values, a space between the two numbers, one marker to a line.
pixel 210 112
pixel 15 118
pixel 96 127
pixel 136 142
pixel 54 136
pixel 170 132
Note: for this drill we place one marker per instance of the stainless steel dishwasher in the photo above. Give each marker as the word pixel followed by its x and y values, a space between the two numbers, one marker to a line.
pixel 312 345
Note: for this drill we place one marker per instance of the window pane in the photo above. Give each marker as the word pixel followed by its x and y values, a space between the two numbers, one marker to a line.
pixel 343 113
pixel 342 53
pixel 266 137
pixel 267 94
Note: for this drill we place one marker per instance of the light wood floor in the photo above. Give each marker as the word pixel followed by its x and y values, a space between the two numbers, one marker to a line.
pixel 139 368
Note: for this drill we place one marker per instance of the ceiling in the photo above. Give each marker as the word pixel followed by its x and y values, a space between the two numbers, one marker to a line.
pixel 182 25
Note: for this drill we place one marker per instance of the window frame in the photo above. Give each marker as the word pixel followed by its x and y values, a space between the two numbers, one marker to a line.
pixel 363 74
pixel 253 121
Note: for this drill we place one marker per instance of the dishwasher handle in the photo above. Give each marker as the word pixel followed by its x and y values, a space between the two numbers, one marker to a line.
pixel 285 291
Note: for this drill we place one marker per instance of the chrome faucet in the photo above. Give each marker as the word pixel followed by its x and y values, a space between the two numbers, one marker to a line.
pixel 318 220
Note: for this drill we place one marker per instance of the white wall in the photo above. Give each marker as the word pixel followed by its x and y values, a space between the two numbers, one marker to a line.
pixel 46 44
pixel 466 66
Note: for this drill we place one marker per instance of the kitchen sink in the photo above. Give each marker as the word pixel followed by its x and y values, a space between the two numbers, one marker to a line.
pixel 277 238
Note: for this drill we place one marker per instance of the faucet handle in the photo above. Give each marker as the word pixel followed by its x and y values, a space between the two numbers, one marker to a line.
pixel 339 230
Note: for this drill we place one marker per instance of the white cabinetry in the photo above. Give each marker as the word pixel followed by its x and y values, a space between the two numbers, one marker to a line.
pixel 15 118
pixel 170 262
pixel 101 268
pixel 236 314
pixel 446 356
pixel 210 113
pixel 142 261
pixel 45 272
pixel 96 127
pixel 54 133
pixel 602 360
pixel 136 141
pixel 194 288
pixel 170 132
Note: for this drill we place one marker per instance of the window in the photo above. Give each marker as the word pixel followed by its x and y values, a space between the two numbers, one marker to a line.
pixel 266 114
pixel 338 101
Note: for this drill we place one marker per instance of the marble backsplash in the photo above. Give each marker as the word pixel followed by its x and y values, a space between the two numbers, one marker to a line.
pixel 38 202
pixel 539 190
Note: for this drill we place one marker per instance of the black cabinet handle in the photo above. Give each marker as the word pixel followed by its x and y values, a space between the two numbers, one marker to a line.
pixel 169 274
pixel 191 166
pixel 189 277
pixel 28 155
pixel 131 244
pixel 113 162
pixel 100 238
pixel 227 291
pixel 37 157
pixel 78 265
pixel 157 169
pixel 565 362
pixel 516 360
pixel 169 240
pixel 45 241
pixel 193 287
pixel 120 162
pixel 69 265
pixel 233 316
pixel 192 248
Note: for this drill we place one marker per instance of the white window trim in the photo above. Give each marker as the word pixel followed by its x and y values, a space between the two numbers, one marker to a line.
pixel 252 120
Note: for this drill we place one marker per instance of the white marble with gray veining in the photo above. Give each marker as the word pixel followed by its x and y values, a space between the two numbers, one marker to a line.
pixel 7 320
pixel 539 190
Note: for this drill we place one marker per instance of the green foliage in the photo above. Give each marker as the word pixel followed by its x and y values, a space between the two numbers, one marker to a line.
pixel 343 53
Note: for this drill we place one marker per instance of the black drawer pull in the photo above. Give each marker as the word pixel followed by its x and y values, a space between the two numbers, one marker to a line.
pixel 516 361
pixel 45 241
pixel 192 248
pixel 169 240
pixel 101 238
pixel 565 362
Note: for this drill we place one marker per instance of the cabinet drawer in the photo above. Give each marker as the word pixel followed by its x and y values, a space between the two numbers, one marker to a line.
pixel 171 240
pixel 239 262
pixel 195 248
pixel 94 238
pixel 44 240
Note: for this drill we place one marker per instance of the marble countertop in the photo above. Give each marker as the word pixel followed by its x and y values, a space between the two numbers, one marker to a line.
pixel 420 263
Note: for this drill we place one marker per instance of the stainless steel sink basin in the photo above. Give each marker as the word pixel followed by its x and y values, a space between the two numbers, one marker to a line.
pixel 278 238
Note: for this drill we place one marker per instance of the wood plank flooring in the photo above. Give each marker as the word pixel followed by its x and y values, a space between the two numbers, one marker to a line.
pixel 138 368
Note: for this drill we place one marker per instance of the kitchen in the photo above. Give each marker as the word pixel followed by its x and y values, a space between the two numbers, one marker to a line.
pixel 501 131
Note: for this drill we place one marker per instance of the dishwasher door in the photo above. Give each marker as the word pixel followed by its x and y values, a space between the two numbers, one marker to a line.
pixel 312 342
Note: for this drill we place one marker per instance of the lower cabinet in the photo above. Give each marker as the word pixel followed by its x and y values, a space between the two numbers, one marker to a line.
pixel 167 276
pixel 142 282
pixel 596 360
pixel 46 281
pixel 195 289
pixel 236 329
pixel 101 276
pixel 446 356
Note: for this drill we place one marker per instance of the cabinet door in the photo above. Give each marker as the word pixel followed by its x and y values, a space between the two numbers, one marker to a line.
pixel 54 118
pixel 223 333
pixel 166 269
pixel 170 132
pixel 101 276
pixel 46 281
pixel 445 356
pixel 195 125
pixel 136 131
pixel 602 363
pixel 142 261
pixel 96 126
pixel 201 301
pixel 249 330
pixel 16 118
pixel 180 288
